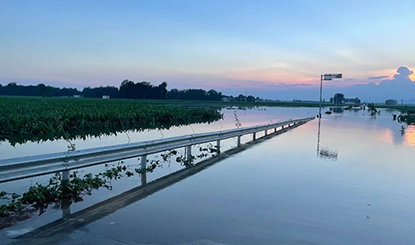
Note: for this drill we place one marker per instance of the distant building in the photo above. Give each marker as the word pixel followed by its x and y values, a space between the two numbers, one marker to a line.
pixel 339 99
pixel 105 96
pixel 77 96
pixel 391 102
pixel 351 101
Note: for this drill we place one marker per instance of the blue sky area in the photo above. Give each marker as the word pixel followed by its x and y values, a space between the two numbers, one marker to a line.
pixel 272 49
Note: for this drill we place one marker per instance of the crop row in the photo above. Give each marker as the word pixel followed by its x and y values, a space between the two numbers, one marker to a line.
pixel 38 119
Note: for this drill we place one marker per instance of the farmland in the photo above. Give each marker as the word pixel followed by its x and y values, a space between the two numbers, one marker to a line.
pixel 25 119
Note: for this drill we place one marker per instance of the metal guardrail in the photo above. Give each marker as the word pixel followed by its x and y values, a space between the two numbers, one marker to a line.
pixel 25 167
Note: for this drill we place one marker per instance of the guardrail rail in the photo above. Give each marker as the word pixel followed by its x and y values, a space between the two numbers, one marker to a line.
pixel 31 166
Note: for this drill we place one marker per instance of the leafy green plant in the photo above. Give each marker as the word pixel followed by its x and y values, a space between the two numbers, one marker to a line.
pixel 40 119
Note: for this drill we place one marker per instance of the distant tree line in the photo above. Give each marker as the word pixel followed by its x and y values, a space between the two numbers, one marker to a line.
pixel 242 97
pixel 194 94
pixel 38 90
pixel 127 90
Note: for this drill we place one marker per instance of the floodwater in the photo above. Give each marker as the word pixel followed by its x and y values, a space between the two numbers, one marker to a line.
pixel 347 179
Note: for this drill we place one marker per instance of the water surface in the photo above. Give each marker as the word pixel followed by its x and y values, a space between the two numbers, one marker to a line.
pixel 283 191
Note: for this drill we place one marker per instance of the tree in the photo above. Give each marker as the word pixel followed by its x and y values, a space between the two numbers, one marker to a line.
pixel 163 90
pixel 45 91
pixel 213 95
pixel 240 97
pixel 250 98
pixel 100 91
pixel 391 102
pixel 173 94
pixel 127 89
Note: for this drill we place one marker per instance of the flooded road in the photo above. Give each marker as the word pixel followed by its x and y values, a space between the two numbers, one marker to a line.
pixel 350 183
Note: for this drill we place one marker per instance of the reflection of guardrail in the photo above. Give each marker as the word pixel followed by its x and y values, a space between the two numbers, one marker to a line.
pixel 25 167
pixel 57 230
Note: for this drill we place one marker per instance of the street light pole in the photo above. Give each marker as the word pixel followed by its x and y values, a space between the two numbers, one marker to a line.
pixel 326 77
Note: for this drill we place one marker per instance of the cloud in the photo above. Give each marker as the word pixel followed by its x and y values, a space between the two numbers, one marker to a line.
pixel 377 77
pixel 401 78
pixel 401 86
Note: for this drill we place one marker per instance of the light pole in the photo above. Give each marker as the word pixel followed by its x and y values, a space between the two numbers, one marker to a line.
pixel 321 92
pixel 326 77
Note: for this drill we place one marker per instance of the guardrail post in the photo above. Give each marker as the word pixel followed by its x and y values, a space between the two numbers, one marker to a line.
pixel 66 208
pixel 238 141
pixel 218 145
pixel 144 162
pixel 143 169
pixel 65 204
pixel 65 174
pixel 254 136
pixel 189 152
pixel 144 178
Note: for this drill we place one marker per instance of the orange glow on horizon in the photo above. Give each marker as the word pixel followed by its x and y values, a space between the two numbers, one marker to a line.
pixel 284 76
pixel 272 77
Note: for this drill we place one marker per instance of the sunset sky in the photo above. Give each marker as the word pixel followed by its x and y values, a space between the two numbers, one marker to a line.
pixel 272 49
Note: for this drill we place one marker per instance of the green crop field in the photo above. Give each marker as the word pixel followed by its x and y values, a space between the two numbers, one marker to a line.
pixel 36 119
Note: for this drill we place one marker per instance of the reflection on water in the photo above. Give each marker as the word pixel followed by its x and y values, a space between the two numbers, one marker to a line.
pixel 69 187
pixel 398 136
pixel 279 192
pixel 324 153
pixel 328 154
pixel 143 178
pixel 53 232
pixel 337 109
pixel 66 207
pixel 410 135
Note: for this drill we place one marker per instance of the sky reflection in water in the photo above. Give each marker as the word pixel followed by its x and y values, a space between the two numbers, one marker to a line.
pixel 280 192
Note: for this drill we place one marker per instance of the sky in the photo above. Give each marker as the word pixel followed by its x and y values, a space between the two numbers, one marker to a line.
pixel 274 49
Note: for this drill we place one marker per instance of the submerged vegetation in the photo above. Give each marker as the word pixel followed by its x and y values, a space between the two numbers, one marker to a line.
pixel 37 119
pixel 372 108
pixel 61 193
pixel 407 113
pixel 408 117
